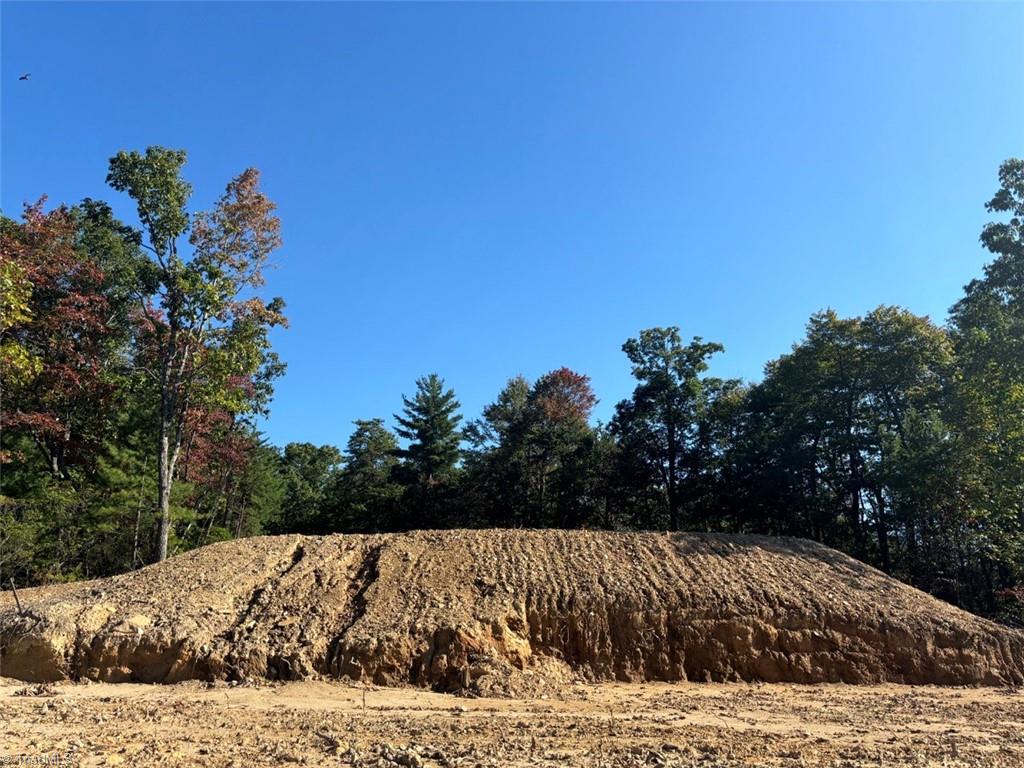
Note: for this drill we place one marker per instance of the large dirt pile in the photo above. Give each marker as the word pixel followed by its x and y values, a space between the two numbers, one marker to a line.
pixel 499 611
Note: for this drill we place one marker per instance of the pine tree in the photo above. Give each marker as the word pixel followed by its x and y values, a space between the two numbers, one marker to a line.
pixel 428 470
pixel 365 496
pixel 430 422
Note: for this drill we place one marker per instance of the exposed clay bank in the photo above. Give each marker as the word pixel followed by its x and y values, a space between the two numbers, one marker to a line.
pixel 503 611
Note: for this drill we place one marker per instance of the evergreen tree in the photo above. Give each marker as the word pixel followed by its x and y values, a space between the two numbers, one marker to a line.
pixel 366 496
pixel 495 490
pixel 430 424
pixel 534 454
pixel 308 472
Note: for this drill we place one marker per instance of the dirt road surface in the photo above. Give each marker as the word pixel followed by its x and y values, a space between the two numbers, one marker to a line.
pixel 608 725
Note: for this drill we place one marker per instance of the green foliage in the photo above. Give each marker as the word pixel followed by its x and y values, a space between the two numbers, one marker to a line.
pixel 115 361
pixel 17 363
pixel 308 473
pixel 497 490
pixel 834 422
pixel 428 469
pixel 887 436
pixel 988 334
pixel 430 422
pixel 669 424
pixel 204 341
pixel 241 491
pixel 154 181
pixel 366 496
pixel 98 523
pixel 533 458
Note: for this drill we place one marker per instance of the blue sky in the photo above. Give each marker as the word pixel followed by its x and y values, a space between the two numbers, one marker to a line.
pixel 483 190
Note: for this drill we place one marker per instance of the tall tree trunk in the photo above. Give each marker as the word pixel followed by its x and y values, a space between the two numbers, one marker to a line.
pixel 170 448
pixel 882 531
pixel 673 507
pixel 173 406
pixel 912 557
pixel 856 513
pixel 673 467
pixel 164 489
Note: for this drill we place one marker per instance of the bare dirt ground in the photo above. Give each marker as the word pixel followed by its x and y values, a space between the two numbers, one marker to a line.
pixel 578 648
pixel 608 724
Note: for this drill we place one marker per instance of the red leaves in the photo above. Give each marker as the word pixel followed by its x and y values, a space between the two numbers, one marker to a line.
pixel 216 449
pixel 564 395
pixel 67 331
pixel 39 423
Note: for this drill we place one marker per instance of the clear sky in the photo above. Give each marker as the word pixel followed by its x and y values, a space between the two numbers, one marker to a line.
pixel 483 190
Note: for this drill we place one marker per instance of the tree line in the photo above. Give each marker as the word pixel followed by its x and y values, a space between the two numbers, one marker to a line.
pixel 136 361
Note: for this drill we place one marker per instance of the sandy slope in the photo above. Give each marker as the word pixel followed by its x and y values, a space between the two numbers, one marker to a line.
pixel 475 610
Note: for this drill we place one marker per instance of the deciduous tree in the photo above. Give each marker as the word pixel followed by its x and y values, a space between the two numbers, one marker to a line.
pixel 59 338
pixel 668 422
pixel 206 329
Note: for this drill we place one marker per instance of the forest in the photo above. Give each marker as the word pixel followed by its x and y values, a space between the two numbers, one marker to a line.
pixel 137 366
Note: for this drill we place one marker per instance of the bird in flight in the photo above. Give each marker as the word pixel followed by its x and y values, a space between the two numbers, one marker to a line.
pixel 26 76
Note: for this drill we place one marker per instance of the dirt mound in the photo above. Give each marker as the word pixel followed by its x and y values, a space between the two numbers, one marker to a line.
pixel 504 612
